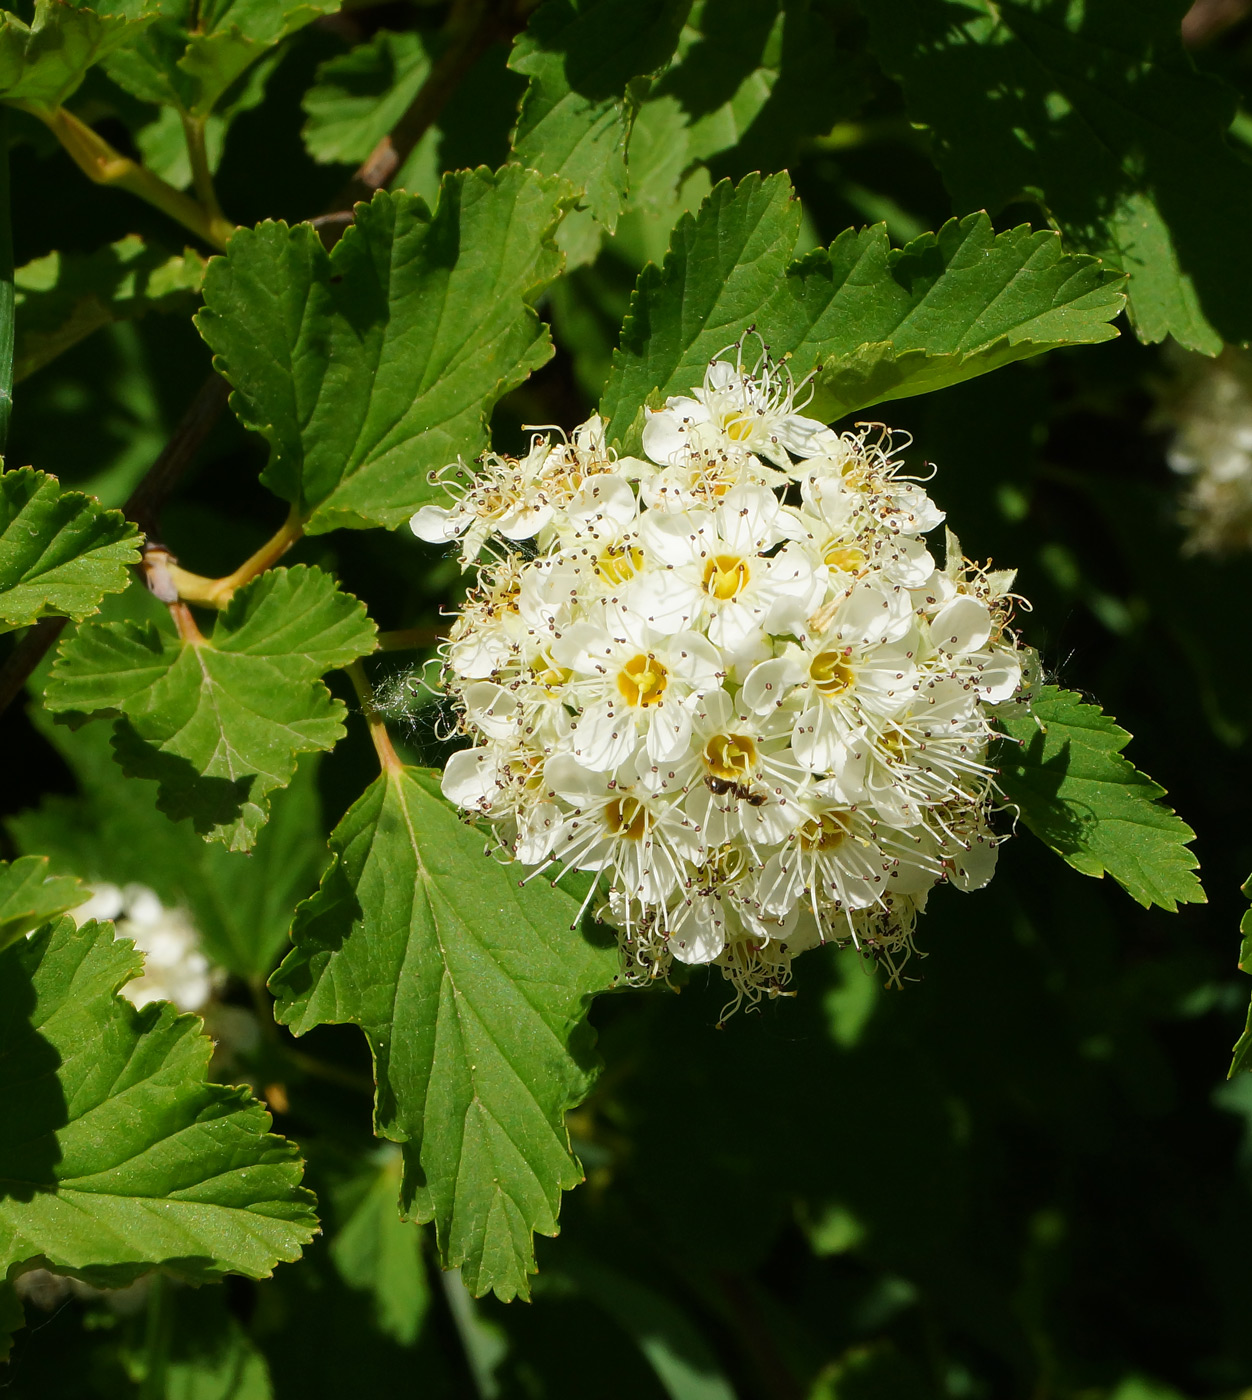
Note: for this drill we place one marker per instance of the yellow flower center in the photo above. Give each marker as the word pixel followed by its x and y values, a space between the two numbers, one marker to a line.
pixel 725 576
pixel 846 557
pixel 731 757
pixel 737 426
pixel 642 681
pixel 552 678
pixel 823 833
pixel 626 817
pixel 619 563
pixel 831 672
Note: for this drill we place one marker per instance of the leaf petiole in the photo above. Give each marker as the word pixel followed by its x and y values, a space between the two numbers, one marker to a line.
pixel 217 592
pixel 388 759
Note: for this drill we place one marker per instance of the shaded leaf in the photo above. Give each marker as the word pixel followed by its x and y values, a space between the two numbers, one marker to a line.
pixel 366 367
pixel 1243 1048
pixel 30 896
pixel 194 51
pixel 219 721
pixel 43 63
pixel 60 551
pixel 118 1156
pixel 472 991
pixel 1064 772
pixel 881 323
pixel 63 297
pixel 581 57
pixel 1096 111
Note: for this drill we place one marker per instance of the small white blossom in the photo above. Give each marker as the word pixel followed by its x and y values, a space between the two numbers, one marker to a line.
pixel 733 682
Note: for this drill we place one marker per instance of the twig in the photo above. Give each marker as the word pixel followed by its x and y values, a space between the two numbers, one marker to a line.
pixel 159 480
pixel 201 175
pixel 473 27
pixel 106 166
pixel 388 759
pixel 217 592
pixel 24 657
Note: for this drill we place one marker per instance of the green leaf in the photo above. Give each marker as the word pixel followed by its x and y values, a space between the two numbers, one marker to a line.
pixel 581 57
pixel 1097 112
pixel 360 95
pixel 30 896
pixel 219 721
pixel 43 63
pixel 1243 1048
pixel 60 551
pixel 63 297
pixel 114 833
pixel 205 1353
pixel 882 323
pixel 376 1251
pixel 195 51
pixel 472 991
pixel 12 1317
pixel 366 367
pixel 118 1157
pixel 1064 772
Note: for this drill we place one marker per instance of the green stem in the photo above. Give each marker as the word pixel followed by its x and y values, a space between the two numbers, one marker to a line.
pixel 156 1344
pixel 101 163
pixel 6 287
pixel 388 759
pixel 201 175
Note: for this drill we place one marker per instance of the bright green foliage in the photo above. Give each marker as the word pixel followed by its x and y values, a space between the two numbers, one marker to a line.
pixel 195 51
pixel 882 323
pixel 219 721
pixel 381 1254
pixel 113 832
pixel 362 94
pixel 60 551
pixel 581 57
pixel 63 297
pixel 369 366
pixel 1065 774
pixel 472 992
pixel 1097 112
pixel 43 63
pixel 29 896
pixel 118 1157
pixel 1243 1050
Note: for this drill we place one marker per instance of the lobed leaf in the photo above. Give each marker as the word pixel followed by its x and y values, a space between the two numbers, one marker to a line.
pixel 63 297
pixel 220 721
pixel 195 51
pixel 1096 112
pixel 1242 1054
pixel 472 990
pixel 1064 771
pixel 368 366
pixel 60 551
pixel 873 322
pixel 42 64
pixel 118 1157
pixel 581 57
pixel 30 896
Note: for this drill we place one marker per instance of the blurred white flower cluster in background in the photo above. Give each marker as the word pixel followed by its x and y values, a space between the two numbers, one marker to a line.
pixel 174 967
pixel 1209 408
pixel 731 679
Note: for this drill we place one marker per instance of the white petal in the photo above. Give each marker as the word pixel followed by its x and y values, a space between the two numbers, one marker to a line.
pixel 438 524
pixel 962 625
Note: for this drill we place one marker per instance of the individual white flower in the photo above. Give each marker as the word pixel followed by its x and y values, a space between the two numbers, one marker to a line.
pixel 737 687
pixel 174 967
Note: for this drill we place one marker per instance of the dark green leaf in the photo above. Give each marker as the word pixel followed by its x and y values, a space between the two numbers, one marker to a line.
pixel 63 297
pixel 1243 1048
pixel 118 1157
pixel 1097 112
pixel 219 721
pixel 366 367
pixel 881 323
pixel 472 991
pixel 60 551
pixel 1064 772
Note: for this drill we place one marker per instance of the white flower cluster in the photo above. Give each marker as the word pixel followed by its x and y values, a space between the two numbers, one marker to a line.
pixel 174 968
pixel 1210 409
pixel 730 679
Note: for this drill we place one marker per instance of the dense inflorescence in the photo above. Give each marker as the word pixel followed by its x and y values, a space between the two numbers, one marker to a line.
pixel 730 679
